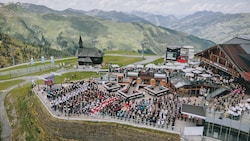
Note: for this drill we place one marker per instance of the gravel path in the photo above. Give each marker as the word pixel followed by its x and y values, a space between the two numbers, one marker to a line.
pixel 5 125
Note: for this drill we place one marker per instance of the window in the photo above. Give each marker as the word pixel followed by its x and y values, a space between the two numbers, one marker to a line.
pixel 171 55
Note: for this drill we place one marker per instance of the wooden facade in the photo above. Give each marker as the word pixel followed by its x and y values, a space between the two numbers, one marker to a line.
pixel 231 58
pixel 217 58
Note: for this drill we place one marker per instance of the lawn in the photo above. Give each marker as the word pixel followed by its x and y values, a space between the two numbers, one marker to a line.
pixel 120 60
pixel 73 76
pixel 31 121
pixel 7 84
pixel 6 77
pixel 158 61
pixel 67 64
pixel 69 60
pixel 123 52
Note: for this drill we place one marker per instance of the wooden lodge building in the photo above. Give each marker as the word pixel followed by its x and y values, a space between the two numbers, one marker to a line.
pixel 231 58
pixel 89 56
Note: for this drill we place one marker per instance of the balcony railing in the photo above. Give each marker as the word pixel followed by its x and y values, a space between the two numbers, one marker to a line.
pixel 221 67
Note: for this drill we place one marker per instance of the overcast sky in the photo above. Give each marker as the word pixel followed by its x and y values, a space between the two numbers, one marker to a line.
pixel 164 7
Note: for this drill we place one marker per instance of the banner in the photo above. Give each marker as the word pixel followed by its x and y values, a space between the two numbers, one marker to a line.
pixel 43 60
pixel 52 59
pixel 31 61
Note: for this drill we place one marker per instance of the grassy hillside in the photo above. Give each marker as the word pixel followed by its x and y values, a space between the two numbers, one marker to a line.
pixel 7 84
pixel 60 30
pixel 69 63
pixel 30 121
pixel 13 50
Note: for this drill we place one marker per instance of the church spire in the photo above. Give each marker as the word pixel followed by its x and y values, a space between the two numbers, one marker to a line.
pixel 80 42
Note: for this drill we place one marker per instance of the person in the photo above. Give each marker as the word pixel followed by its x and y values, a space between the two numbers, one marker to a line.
pixel 33 83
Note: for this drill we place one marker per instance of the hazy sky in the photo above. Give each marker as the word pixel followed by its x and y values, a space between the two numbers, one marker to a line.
pixel 165 7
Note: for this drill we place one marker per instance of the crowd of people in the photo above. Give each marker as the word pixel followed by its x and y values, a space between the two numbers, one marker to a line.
pixel 232 105
pixel 162 111
pixel 77 98
pixel 89 99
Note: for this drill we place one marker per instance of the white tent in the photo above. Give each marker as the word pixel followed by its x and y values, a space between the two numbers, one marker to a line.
pixel 180 64
pixel 164 67
pixel 209 71
pixel 179 67
pixel 150 65
pixel 194 63
pixel 139 66
pixel 156 67
pixel 115 66
pixel 130 66
pixel 200 68
pixel 205 75
pixel 132 73
pixel 159 75
pixel 170 67
pixel 169 64
pixel 177 63
pixel 189 74
pixel 186 70
pixel 196 71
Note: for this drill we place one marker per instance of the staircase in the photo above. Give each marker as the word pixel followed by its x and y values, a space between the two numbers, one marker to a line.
pixel 217 92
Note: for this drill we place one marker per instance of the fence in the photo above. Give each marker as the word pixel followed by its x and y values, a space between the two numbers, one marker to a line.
pixel 28 70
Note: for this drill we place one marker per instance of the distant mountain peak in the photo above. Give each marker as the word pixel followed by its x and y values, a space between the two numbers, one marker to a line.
pixel 31 7
pixel 159 20
pixel 205 13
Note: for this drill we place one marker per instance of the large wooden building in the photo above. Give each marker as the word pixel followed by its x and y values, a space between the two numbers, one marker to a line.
pixel 89 56
pixel 231 58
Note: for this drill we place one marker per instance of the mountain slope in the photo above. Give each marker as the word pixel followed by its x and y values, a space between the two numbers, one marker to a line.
pixel 214 26
pixel 117 16
pixel 61 30
pixel 13 51
pixel 157 20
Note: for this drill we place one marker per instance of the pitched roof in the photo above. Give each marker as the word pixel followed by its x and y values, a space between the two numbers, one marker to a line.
pixel 239 55
pixel 89 52
pixel 244 39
